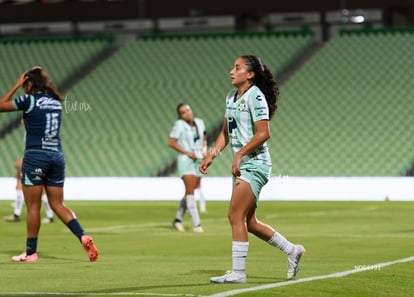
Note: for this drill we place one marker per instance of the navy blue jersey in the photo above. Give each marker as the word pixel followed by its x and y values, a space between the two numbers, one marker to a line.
pixel 42 116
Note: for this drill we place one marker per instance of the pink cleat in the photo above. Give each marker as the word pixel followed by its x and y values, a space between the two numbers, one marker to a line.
pixel 90 248
pixel 25 258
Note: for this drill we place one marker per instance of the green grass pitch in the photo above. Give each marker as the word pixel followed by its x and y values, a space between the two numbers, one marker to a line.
pixel 142 255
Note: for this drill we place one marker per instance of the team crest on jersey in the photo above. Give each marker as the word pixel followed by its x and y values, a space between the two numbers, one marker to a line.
pixel 242 105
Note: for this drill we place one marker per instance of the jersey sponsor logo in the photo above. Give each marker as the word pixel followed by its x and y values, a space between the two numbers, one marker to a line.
pixel 232 125
pixel 50 147
pixel 236 145
pixel 48 103
pixel 261 111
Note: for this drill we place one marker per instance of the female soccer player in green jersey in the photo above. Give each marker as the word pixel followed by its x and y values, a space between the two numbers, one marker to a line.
pixel 188 138
pixel 249 108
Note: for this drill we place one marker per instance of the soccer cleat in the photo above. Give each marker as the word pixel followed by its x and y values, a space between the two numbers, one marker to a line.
pixel 198 229
pixel 294 259
pixel 25 258
pixel 230 277
pixel 90 248
pixel 47 220
pixel 178 226
pixel 12 218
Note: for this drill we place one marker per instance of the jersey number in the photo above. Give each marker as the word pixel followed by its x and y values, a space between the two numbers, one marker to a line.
pixel 52 125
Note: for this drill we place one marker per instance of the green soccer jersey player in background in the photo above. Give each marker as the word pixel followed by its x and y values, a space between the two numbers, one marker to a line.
pixel 189 138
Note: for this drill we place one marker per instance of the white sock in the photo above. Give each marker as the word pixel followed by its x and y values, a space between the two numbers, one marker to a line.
pixel 48 209
pixel 182 207
pixel 199 195
pixel 192 209
pixel 18 205
pixel 239 254
pixel 281 243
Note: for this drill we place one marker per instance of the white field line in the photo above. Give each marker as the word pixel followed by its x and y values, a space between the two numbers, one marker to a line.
pixel 222 294
pixel 132 228
pixel 308 279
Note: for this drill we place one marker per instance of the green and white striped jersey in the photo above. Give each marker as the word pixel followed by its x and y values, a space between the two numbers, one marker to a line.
pixel 241 114
pixel 189 137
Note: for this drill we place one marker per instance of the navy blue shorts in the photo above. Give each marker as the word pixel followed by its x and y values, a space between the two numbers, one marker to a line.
pixel 43 168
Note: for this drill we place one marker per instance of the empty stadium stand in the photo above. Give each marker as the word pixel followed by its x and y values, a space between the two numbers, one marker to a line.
pixel 133 96
pixel 347 111
pixel 345 107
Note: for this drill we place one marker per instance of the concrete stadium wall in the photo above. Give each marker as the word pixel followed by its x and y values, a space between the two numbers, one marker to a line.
pixel 76 11
pixel 280 188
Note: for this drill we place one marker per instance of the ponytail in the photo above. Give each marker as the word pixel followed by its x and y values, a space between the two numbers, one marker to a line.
pixel 265 81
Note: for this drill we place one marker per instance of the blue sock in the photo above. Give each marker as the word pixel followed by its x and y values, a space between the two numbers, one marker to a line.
pixel 76 228
pixel 31 246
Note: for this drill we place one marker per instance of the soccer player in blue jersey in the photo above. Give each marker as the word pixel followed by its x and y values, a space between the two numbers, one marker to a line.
pixel 188 138
pixel 43 161
pixel 19 202
pixel 249 108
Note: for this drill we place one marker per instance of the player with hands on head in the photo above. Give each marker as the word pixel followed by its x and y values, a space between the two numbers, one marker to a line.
pixel 250 105
pixel 43 161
